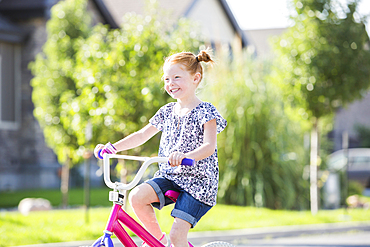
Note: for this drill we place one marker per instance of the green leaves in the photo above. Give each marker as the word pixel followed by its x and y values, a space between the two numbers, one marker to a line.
pixel 323 58
pixel 53 84
pixel 110 79
pixel 118 73
pixel 261 153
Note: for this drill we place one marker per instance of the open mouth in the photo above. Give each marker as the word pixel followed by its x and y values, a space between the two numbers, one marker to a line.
pixel 174 90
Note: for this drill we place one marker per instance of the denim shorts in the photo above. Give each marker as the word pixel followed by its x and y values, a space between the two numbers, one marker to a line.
pixel 186 208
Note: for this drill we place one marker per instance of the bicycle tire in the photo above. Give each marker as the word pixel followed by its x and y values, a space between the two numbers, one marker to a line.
pixel 218 244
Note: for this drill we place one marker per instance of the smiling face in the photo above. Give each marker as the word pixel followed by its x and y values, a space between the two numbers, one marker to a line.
pixel 179 83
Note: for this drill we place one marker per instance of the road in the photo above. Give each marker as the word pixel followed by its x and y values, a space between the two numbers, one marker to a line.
pixel 338 234
pixel 355 234
pixel 328 235
pixel 328 240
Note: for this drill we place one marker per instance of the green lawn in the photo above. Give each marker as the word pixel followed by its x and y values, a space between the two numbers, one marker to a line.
pixel 69 225
pixel 98 197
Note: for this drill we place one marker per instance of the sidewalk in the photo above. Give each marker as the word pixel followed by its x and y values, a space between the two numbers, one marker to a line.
pixel 239 236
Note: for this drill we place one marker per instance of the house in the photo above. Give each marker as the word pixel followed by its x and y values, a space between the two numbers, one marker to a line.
pixel 259 40
pixel 25 160
pixel 346 118
pixel 218 25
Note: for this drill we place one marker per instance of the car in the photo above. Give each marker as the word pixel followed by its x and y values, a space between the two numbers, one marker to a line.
pixel 358 168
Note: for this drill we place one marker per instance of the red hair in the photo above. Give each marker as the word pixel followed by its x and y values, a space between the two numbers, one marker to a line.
pixel 190 61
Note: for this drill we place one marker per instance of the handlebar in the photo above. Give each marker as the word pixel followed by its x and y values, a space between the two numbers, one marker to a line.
pixel 147 162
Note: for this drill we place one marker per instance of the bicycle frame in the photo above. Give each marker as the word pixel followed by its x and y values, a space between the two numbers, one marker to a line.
pixel 118 216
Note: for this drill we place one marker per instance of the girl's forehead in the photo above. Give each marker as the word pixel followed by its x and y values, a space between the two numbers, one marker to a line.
pixel 173 68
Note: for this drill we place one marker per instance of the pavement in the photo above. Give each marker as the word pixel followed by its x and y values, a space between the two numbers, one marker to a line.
pixel 333 234
pixel 347 239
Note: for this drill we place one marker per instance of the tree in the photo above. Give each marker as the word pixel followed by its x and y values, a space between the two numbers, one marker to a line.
pixel 118 75
pixel 261 154
pixel 323 62
pixel 363 133
pixel 107 80
pixel 53 83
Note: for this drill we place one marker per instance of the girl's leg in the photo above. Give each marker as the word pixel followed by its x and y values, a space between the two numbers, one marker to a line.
pixel 179 233
pixel 140 199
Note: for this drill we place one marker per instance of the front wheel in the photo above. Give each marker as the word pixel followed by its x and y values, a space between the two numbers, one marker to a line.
pixel 218 244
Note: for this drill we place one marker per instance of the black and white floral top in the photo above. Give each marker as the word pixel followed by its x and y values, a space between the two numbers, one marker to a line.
pixel 184 134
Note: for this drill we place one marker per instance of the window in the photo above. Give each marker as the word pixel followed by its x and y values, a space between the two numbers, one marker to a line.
pixel 10 71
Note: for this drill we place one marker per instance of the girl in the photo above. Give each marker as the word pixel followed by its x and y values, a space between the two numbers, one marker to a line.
pixel 189 130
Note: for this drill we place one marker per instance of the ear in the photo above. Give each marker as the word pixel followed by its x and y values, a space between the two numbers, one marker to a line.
pixel 196 78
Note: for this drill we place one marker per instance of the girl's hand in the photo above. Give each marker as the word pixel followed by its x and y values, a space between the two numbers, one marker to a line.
pixel 97 149
pixel 108 148
pixel 176 158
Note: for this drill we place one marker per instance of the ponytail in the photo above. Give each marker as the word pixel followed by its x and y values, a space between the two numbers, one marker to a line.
pixel 190 61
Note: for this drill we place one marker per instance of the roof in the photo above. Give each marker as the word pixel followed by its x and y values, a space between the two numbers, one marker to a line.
pixel 16 10
pixel 119 8
pixel 234 23
pixel 12 11
pixel 111 11
pixel 104 12
pixel 20 10
pixel 177 9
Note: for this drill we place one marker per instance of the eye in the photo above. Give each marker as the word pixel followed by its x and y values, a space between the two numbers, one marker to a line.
pixel 177 77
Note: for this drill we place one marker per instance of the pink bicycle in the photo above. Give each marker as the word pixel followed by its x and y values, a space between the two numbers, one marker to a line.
pixel 119 217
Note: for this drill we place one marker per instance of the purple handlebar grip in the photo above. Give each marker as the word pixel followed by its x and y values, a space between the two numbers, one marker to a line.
pixel 99 154
pixel 186 162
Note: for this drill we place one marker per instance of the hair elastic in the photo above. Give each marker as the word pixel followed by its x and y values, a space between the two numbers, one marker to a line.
pixel 197 59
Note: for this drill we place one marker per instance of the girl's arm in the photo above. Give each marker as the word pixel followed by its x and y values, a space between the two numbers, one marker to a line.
pixel 136 139
pixel 206 149
pixel 133 140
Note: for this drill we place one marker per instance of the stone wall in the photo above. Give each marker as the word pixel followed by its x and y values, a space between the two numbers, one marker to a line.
pixel 26 161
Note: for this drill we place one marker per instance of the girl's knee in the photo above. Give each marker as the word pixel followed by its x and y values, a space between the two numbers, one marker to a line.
pixel 133 197
pixel 141 195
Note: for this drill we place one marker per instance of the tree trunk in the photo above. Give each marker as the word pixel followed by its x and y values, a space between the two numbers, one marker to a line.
pixel 65 183
pixel 313 168
pixel 87 156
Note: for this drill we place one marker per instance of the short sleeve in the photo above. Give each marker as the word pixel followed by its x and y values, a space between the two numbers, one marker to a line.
pixel 159 118
pixel 209 112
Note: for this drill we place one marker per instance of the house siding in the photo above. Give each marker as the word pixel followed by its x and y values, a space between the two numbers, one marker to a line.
pixel 215 25
pixel 347 118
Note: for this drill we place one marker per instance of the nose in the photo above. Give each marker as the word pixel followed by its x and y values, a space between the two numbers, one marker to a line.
pixel 169 82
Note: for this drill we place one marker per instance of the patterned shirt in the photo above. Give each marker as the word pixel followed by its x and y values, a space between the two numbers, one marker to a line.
pixel 184 134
